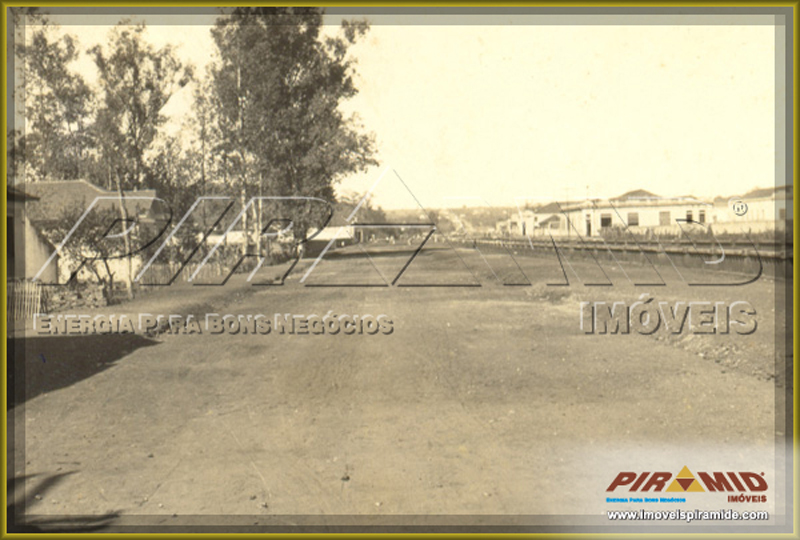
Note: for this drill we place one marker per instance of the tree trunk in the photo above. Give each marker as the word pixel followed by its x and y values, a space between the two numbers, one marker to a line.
pixel 244 222
pixel 126 239
pixel 300 233
pixel 203 176
pixel 108 286
pixel 259 209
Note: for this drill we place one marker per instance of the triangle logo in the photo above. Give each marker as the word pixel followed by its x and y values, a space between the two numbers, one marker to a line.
pixel 685 481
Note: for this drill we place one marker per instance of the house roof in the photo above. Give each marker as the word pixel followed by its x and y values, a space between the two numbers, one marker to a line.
pixel 552 219
pixel 550 208
pixel 636 194
pixel 759 193
pixel 15 194
pixel 340 215
pixel 56 198
pixel 764 193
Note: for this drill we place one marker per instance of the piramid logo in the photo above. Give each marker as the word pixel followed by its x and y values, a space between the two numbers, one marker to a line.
pixel 685 481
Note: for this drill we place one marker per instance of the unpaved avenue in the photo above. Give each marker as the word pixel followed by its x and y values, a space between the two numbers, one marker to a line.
pixel 482 401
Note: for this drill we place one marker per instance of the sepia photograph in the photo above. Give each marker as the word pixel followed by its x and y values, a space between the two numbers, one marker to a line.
pixel 400 269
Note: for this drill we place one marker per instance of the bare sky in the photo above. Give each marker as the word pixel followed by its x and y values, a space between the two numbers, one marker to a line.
pixel 501 111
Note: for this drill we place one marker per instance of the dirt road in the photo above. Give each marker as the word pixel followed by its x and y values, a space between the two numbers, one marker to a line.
pixel 482 401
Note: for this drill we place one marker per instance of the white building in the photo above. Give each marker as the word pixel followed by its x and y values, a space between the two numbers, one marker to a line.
pixel 28 251
pixel 53 200
pixel 520 223
pixel 640 212
pixel 763 210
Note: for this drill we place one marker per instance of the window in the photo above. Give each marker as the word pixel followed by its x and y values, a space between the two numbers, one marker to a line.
pixel 633 219
pixel 782 213
pixel 664 218
pixel 701 216
pixel 689 216
pixel 605 221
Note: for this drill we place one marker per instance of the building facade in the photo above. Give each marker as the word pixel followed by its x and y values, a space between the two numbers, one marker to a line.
pixel 642 212
pixel 27 249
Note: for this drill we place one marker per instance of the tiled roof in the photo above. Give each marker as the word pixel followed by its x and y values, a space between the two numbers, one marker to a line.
pixel 550 208
pixel 15 194
pixel 636 194
pixel 551 219
pixel 56 198
pixel 777 192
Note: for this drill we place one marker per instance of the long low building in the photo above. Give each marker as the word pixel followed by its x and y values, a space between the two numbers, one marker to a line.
pixel 639 212
pixel 763 210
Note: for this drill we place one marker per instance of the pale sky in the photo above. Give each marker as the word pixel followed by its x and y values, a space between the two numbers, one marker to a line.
pixel 502 111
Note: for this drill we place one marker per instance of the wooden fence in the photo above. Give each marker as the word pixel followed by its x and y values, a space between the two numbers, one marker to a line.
pixel 24 300
pixel 741 256
pixel 160 274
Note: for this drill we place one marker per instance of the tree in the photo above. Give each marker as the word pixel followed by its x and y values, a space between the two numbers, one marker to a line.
pixel 136 82
pixel 57 105
pixel 277 90
pixel 211 165
pixel 366 213
pixel 94 241
pixel 174 172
